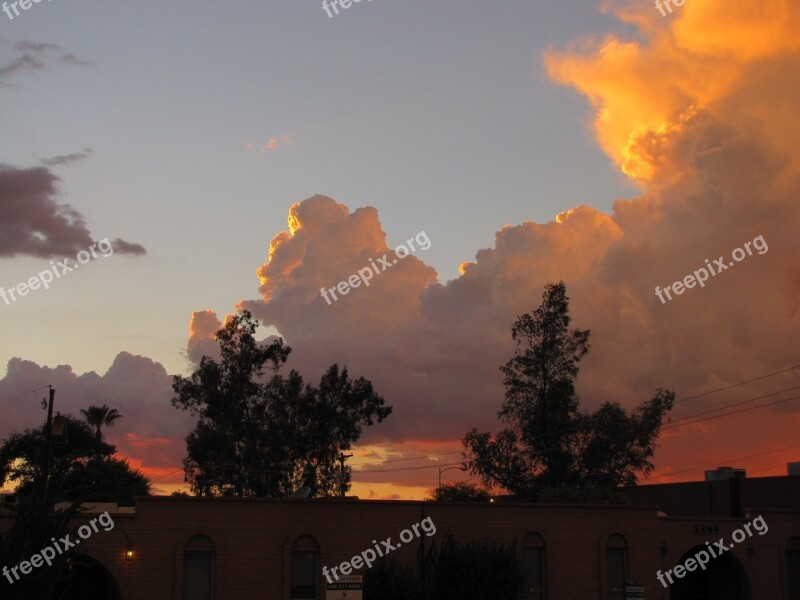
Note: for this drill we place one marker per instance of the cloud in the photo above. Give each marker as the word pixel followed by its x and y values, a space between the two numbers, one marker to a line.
pixel 273 143
pixel 66 159
pixel 34 57
pixel 717 57
pixel 124 247
pixel 71 59
pixel 36 47
pixel 33 223
pixel 151 431
pixel 700 109
pixel 203 327
pixel 700 113
pixel 20 64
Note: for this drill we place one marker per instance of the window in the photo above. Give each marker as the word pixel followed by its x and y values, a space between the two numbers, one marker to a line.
pixel 198 569
pixel 304 569
pixel 534 570
pixel 616 567
pixel 793 568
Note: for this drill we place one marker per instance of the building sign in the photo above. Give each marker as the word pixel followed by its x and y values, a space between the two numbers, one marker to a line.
pixel 634 592
pixel 347 586
pixel 705 529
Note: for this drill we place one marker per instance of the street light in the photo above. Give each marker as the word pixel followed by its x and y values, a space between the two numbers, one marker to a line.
pixel 461 467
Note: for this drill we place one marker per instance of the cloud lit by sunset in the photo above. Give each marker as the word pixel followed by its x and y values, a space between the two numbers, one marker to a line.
pixel 694 114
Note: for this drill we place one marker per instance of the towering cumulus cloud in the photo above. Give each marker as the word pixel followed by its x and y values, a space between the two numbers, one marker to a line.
pixel 702 112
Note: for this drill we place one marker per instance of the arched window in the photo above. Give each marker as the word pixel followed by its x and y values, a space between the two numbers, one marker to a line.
pixel 534 568
pixel 616 567
pixel 793 568
pixel 198 569
pixel 305 554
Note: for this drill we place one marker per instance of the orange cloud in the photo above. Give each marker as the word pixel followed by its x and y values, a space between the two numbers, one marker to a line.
pixel 273 143
pixel 644 92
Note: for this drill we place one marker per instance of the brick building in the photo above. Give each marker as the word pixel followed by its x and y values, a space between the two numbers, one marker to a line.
pixel 223 548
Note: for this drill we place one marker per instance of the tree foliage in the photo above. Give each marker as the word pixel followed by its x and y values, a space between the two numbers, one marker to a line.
pixel 34 526
pixel 479 570
pixel 97 417
pixel 80 469
pixel 387 580
pixel 109 480
pixel 550 443
pixel 267 436
pixel 483 570
pixel 461 491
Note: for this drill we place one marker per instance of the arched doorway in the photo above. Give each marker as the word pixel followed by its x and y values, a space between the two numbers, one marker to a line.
pixel 723 579
pixel 88 579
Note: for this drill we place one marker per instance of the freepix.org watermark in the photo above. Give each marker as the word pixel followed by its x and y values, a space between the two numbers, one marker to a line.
pixel 23 4
pixel 45 278
pixel 719 265
pixel 666 3
pixel 343 3
pixel 48 554
pixel 368 556
pixel 365 274
pixel 703 557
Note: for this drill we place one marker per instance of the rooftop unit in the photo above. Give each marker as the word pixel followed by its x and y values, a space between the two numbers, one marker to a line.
pixel 725 473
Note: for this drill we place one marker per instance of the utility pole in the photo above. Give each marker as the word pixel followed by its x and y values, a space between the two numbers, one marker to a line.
pixel 342 458
pixel 47 436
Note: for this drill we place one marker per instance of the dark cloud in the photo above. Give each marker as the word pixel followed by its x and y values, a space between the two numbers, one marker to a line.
pixel 36 47
pixel 20 64
pixel 71 59
pixel 33 223
pixel 35 56
pixel 151 431
pixel 124 247
pixel 66 159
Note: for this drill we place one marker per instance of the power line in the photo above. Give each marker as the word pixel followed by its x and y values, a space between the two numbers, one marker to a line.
pixel 370 471
pixel 727 460
pixel 733 385
pixel 705 412
pixel 24 393
pixel 226 466
pixel 782 465
pixel 735 412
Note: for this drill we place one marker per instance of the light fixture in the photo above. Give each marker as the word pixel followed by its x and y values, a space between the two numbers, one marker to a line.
pixel 129 552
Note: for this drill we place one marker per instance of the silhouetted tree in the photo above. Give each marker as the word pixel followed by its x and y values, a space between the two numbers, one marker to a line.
pixel 551 443
pixel 97 416
pixel 258 436
pixel 461 491
pixel 75 471
pixel 75 475
pixel 34 526
pixel 488 570
pixel 109 480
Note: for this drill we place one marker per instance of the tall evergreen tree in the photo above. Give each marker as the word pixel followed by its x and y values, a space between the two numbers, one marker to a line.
pixel 550 443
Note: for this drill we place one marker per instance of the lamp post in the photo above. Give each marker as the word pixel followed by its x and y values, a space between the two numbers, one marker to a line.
pixel 461 467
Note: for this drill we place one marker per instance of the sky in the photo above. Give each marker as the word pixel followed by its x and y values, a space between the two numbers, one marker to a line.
pixel 196 159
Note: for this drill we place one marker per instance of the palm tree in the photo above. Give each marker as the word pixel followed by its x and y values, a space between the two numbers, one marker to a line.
pixel 97 416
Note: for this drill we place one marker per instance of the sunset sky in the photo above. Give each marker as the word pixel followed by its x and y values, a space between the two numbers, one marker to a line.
pixel 245 155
